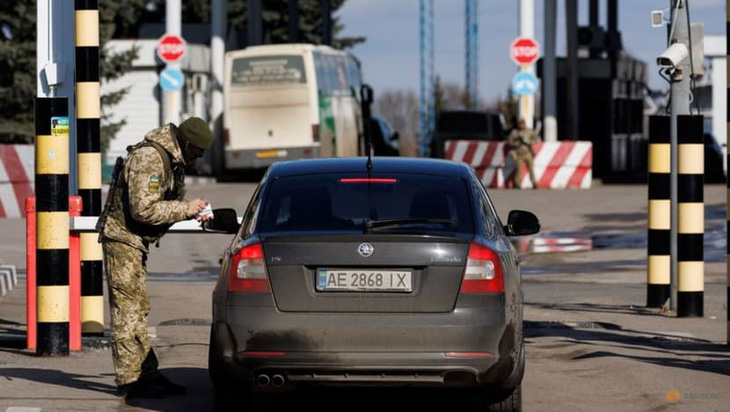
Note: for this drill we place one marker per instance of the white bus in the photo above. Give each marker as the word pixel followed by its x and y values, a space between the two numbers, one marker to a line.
pixel 290 101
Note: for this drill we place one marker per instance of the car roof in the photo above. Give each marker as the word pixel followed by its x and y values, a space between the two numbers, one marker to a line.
pixel 380 165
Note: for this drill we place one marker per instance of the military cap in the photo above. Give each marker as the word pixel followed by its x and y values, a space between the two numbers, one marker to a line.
pixel 197 132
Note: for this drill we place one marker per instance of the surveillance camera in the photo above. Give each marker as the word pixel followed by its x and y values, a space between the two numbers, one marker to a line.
pixel 673 56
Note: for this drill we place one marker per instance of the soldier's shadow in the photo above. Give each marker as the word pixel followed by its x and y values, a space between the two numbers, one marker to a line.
pixel 57 377
pixel 199 396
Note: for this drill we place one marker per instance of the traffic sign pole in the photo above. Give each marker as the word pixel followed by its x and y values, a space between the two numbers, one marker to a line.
pixel 524 51
pixel 527 25
pixel 170 49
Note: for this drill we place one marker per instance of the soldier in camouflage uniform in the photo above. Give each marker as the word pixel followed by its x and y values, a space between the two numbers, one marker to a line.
pixel 520 143
pixel 146 200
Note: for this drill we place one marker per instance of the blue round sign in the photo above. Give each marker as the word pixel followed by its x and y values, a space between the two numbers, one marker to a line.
pixel 172 79
pixel 524 84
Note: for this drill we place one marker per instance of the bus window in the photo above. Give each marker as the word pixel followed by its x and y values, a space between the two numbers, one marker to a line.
pixel 319 70
pixel 331 74
pixel 353 75
pixel 341 75
pixel 268 70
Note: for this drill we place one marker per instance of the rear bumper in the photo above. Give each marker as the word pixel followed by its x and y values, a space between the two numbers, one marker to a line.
pixel 259 158
pixel 384 350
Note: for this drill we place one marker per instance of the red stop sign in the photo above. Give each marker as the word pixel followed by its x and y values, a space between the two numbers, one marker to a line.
pixel 524 51
pixel 171 48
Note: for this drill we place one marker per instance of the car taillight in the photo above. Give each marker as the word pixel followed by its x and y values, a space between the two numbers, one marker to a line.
pixel 248 271
pixel 315 132
pixel 483 272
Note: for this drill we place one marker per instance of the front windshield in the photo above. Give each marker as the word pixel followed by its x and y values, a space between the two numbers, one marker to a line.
pixel 343 203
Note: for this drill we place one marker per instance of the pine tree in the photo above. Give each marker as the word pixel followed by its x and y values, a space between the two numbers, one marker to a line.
pixel 18 65
pixel 276 20
pixel 17 71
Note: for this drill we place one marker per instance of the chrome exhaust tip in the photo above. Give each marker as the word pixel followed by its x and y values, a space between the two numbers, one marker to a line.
pixel 277 381
pixel 263 380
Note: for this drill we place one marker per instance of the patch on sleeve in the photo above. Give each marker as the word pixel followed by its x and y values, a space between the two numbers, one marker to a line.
pixel 153 186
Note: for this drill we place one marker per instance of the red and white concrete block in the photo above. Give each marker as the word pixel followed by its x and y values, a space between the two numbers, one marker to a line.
pixel 557 165
pixel 16 178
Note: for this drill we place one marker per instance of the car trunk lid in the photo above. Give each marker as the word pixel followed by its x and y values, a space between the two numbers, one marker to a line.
pixel 366 273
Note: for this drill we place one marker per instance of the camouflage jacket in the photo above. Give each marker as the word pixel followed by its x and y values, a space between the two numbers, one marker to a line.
pixel 148 198
pixel 520 141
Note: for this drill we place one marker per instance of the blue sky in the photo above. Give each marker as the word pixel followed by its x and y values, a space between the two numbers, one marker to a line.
pixel 390 55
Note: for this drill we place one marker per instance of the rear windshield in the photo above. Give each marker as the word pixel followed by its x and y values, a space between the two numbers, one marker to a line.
pixel 342 203
pixel 268 70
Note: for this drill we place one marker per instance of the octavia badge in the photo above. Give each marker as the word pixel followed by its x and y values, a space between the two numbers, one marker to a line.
pixel 365 249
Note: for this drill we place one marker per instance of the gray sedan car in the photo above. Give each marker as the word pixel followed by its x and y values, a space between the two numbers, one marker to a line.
pixel 400 273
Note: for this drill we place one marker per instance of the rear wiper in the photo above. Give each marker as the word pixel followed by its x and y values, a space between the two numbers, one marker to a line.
pixel 371 225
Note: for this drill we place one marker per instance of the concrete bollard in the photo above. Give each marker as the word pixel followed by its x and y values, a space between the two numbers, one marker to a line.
pixel 658 256
pixel 52 219
pixel 89 160
pixel 691 211
pixel 4 284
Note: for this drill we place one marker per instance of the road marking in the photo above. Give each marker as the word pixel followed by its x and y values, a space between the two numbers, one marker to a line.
pixel 22 409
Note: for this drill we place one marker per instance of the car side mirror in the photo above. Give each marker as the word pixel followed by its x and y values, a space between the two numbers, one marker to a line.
pixel 521 223
pixel 224 221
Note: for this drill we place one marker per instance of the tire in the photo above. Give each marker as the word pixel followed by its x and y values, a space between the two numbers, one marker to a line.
pixel 228 393
pixel 509 400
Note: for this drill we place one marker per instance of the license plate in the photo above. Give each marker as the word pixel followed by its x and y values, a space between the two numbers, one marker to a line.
pixel 358 280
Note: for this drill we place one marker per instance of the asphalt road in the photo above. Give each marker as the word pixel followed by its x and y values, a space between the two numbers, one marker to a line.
pixel 590 343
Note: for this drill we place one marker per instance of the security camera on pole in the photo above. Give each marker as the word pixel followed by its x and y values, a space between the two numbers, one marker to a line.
pixel 170 49
pixel 686 168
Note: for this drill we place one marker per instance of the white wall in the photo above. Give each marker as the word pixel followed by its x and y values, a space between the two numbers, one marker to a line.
pixel 141 106
pixel 715 49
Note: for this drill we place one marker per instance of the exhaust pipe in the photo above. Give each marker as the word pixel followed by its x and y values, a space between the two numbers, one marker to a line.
pixel 277 381
pixel 263 380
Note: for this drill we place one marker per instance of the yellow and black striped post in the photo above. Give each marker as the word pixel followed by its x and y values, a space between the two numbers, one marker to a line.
pixel 52 238
pixel 658 263
pixel 691 215
pixel 88 111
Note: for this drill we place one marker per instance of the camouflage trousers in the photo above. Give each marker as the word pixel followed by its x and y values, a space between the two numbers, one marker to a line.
pixel 129 304
pixel 519 159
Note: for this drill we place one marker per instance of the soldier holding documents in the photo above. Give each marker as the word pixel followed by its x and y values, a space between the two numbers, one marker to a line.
pixel 145 198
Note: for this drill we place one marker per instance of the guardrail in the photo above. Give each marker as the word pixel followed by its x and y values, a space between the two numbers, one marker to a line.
pixel 86 224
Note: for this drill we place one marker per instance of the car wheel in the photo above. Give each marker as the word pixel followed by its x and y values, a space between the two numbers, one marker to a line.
pixel 508 400
pixel 215 370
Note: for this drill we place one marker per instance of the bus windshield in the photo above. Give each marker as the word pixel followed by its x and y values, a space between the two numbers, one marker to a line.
pixel 268 70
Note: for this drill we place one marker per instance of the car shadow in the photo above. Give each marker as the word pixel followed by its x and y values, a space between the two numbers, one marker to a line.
pixel 200 397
